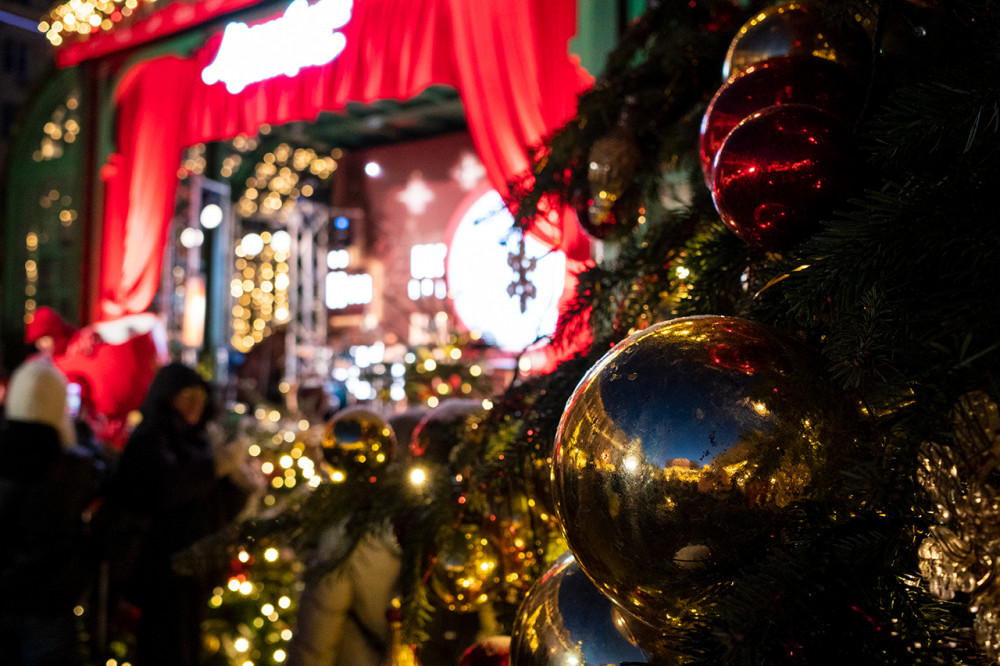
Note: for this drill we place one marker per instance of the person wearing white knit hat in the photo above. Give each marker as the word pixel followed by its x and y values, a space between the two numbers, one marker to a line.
pixel 47 486
pixel 37 394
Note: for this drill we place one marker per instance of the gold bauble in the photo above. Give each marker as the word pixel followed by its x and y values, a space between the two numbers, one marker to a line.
pixel 565 619
pixel 529 539
pixel 358 436
pixel 798 28
pixel 672 443
pixel 466 569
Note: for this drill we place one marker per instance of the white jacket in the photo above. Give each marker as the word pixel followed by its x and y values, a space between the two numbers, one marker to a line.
pixel 341 619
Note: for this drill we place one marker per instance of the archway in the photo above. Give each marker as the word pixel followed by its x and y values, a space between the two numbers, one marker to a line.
pixel 508 61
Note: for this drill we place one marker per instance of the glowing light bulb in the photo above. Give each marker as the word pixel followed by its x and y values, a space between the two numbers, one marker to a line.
pixel 211 216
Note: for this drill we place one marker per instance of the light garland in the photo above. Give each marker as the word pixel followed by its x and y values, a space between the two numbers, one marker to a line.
pixel 194 162
pixel 259 287
pixel 62 128
pixel 276 182
pixel 79 18
pixel 251 615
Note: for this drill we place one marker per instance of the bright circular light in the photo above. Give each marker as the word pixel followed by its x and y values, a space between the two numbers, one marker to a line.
pixel 192 237
pixel 252 244
pixel 211 216
pixel 373 169
pixel 281 241
pixel 479 274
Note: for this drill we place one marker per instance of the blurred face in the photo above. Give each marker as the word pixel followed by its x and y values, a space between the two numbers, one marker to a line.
pixel 190 403
pixel 46 345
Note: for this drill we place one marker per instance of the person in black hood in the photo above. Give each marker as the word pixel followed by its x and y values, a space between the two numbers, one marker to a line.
pixel 176 487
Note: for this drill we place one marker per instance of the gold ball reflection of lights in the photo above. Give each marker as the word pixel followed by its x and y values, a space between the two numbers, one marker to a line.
pixel 358 436
pixel 565 619
pixel 679 436
pixel 466 568
pixel 798 28
pixel 529 539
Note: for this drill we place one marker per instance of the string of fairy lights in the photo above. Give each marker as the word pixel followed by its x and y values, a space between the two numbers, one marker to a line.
pixel 60 129
pixel 261 279
pixel 259 286
pixel 78 18
pixel 281 176
pixel 251 615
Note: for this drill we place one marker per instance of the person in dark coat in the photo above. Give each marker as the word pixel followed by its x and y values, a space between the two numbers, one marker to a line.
pixel 177 487
pixel 47 488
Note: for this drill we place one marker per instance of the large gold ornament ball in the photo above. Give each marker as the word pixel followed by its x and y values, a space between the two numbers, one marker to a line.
pixel 565 619
pixel 467 568
pixel 799 28
pixel 358 436
pixel 676 434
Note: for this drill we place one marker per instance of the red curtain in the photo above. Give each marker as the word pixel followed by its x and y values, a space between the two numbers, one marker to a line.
pixel 507 58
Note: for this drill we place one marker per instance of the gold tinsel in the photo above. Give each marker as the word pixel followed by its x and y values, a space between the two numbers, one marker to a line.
pixel 962 552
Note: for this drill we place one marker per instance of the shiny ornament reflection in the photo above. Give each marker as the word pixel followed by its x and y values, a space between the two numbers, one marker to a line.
pixel 612 162
pixel 780 171
pixel 565 619
pixel 798 28
pixel 529 537
pixel 466 569
pixel 779 80
pixel 357 436
pixel 683 426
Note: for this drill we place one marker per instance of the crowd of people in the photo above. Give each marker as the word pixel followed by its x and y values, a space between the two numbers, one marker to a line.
pixel 83 529
pixel 91 533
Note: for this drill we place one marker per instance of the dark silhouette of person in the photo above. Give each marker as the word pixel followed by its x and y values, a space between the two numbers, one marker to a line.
pixel 175 487
pixel 47 487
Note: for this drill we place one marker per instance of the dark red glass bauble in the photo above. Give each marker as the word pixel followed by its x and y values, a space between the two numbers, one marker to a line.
pixel 779 80
pixel 780 171
pixel 601 222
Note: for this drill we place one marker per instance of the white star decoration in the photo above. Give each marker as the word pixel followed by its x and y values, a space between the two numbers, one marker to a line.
pixel 417 195
pixel 468 172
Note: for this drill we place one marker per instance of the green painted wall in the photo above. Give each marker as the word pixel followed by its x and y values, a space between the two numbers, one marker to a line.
pixel 43 229
pixel 599 24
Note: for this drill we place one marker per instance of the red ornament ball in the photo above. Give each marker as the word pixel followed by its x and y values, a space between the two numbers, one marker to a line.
pixel 779 80
pixel 493 651
pixel 780 171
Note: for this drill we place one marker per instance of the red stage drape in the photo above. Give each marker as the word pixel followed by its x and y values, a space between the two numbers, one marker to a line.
pixel 507 58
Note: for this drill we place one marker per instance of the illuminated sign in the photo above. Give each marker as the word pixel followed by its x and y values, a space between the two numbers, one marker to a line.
pixel 304 36
pixel 426 265
pixel 427 260
pixel 480 273
pixel 343 289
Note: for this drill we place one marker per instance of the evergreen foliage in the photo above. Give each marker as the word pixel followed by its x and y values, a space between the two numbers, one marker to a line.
pixel 897 289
